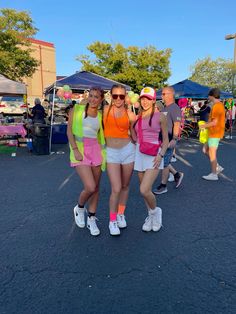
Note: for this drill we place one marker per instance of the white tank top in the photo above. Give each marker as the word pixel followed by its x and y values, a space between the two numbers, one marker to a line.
pixel 90 127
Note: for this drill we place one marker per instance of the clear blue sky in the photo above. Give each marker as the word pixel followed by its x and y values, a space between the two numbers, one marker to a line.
pixel 193 29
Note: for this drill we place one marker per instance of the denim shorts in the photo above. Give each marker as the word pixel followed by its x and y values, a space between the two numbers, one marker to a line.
pixel 167 157
pixel 123 155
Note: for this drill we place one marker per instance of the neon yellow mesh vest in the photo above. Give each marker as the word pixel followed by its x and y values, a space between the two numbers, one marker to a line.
pixel 77 131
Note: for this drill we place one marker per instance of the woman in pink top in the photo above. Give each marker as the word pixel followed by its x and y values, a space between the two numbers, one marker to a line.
pixel 152 123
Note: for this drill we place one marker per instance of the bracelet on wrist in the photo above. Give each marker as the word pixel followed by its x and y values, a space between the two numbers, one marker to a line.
pixel 161 155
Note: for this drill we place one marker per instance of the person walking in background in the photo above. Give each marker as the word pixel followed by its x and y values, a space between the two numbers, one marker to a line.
pixel 173 113
pixel 147 128
pixel 117 122
pixel 204 111
pixel 216 127
pixel 87 155
pixel 230 117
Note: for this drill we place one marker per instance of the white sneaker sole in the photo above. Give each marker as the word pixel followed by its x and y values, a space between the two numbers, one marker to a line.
pixel 80 225
pixel 156 229
pixel 93 234
pixel 146 230
pixel 114 234
pixel 159 193
pixel 207 179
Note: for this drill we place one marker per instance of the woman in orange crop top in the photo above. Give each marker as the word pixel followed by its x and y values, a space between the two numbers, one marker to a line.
pixel 117 121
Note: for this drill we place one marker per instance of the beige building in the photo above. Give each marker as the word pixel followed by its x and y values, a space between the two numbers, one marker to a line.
pixel 45 74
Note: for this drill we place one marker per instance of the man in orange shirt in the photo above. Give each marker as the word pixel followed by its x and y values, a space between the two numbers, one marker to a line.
pixel 216 127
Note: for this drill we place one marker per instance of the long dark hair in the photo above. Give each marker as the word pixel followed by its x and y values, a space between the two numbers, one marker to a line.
pixel 97 89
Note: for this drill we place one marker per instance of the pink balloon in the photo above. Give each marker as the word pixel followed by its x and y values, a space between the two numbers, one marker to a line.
pixel 67 95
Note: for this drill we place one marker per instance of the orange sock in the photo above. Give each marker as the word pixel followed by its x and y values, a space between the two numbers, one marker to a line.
pixel 121 209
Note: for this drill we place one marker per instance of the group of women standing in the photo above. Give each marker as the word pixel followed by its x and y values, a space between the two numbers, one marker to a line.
pixel 117 139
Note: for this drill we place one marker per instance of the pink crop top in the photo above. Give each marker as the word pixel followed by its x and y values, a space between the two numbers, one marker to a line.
pixel 150 133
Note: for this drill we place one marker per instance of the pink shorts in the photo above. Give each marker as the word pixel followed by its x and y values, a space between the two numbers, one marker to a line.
pixel 92 154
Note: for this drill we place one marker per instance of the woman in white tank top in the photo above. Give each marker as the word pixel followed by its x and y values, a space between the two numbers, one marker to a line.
pixel 86 156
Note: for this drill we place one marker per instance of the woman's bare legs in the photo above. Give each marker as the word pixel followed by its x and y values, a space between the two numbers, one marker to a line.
pixel 126 173
pixel 147 179
pixel 90 176
pixel 119 176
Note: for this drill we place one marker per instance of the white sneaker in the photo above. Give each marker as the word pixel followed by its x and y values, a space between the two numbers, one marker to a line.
pixel 147 226
pixel 114 229
pixel 79 216
pixel 156 219
pixel 171 177
pixel 227 137
pixel 219 169
pixel 121 221
pixel 173 159
pixel 92 226
pixel 211 177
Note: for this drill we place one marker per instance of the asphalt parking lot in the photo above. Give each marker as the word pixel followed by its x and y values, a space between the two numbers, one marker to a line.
pixel 48 265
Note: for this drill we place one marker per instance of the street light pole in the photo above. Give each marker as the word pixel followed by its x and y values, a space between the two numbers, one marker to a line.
pixel 228 37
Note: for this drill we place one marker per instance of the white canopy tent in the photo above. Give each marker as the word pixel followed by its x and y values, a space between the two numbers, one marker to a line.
pixel 11 87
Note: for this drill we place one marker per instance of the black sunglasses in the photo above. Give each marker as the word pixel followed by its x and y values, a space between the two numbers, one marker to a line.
pixel 115 96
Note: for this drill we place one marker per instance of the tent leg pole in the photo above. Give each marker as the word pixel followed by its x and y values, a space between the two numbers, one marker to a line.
pixel 51 122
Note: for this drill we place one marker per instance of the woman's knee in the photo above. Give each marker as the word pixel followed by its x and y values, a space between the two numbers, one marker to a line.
pixel 115 190
pixel 91 188
pixel 144 191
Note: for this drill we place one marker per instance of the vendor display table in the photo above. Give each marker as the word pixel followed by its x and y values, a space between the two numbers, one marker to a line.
pixel 17 129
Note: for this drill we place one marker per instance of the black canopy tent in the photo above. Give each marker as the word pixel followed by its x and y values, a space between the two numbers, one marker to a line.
pixel 190 89
pixel 79 82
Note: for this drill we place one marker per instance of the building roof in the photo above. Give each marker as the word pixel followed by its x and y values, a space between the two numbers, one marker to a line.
pixel 41 42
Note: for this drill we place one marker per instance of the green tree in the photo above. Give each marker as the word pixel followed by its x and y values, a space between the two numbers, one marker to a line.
pixel 214 73
pixel 133 66
pixel 15 52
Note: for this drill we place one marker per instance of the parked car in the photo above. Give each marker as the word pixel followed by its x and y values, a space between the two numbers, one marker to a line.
pixel 12 105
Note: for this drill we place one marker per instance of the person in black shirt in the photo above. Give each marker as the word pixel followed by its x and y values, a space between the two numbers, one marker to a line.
pixel 38 113
pixel 204 111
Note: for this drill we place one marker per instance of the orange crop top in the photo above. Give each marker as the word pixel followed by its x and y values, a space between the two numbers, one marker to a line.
pixel 116 127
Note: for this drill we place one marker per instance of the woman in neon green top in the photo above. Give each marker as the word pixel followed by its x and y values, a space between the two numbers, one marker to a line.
pixel 87 155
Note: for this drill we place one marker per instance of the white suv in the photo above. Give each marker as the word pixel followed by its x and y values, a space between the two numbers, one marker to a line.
pixel 12 105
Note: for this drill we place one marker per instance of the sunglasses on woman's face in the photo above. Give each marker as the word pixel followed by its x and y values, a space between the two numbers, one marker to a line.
pixel 115 96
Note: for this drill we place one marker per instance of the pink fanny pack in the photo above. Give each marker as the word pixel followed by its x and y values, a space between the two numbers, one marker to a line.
pixel 146 147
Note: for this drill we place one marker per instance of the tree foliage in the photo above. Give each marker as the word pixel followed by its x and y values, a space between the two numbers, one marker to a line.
pixel 133 66
pixel 214 73
pixel 15 30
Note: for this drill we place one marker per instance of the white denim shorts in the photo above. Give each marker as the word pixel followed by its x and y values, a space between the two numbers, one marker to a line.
pixel 124 155
pixel 143 162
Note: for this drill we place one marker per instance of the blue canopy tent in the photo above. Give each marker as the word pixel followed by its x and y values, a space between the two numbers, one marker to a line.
pixel 190 89
pixel 84 80
pixel 79 82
